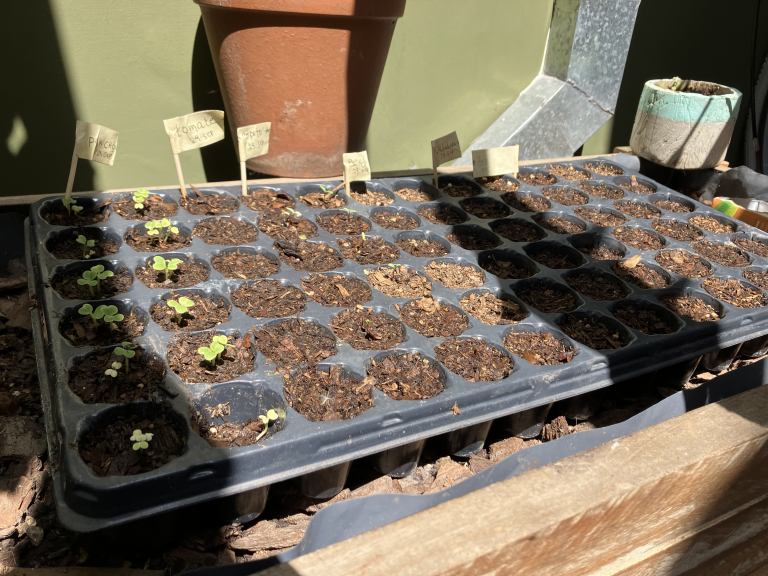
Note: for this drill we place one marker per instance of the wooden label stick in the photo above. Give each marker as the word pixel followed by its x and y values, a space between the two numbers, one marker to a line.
pixel 356 168
pixel 92 142
pixel 252 141
pixel 495 161
pixel 444 149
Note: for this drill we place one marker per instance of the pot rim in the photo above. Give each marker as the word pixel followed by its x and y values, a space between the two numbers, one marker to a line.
pixel 731 94
pixel 362 9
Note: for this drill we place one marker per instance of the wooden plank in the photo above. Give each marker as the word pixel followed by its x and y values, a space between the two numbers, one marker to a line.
pixel 606 511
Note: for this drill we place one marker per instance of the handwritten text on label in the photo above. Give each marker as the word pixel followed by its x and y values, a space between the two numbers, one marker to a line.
pixel 445 148
pixel 195 130
pixel 495 161
pixel 253 140
pixel 95 142
pixel 356 166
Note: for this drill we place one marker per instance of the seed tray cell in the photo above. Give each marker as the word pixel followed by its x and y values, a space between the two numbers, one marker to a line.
pixel 486 263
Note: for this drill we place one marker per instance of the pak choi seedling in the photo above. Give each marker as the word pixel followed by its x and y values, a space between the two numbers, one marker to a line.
pixel 93 277
pixel 125 350
pixel 163 227
pixel 181 306
pixel 71 205
pixel 140 440
pixel 87 245
pixel 106 313
pixel 213 351
pixel 140 199
pixel 164 266
pixel 271 417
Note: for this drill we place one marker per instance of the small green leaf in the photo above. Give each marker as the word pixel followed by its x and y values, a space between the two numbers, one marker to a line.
pixel 110 372
pixel 85 310
pixel 187 302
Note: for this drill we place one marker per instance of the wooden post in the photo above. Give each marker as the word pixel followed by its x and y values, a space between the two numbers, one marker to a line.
pixel 243 180
pixel 71 178
pixel 180 176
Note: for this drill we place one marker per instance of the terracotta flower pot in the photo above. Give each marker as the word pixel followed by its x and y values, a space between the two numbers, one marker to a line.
pixel 311 67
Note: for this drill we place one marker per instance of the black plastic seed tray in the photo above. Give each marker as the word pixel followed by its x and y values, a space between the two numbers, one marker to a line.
pixel 535 242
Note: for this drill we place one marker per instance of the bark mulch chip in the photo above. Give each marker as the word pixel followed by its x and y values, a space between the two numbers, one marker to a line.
pixel 415 193
pixel 184 360
pixel 399 281
pixel 188 273
pixel 548 297
pixel 637 209
pixel 206 313
pixel 210 204
pixel 266 199
pixel 83 331
pixel 406 376
pixel 568 172
pixel 225 230
pixel 602 190
pixel 392 219
pixel 638 238
pixel 526 202
pixel 536 177
pixel 645 318
pixel 269 299
pixel 757 277
pixel 343 223
pixel 369 196
pixel 734 292
pixel 541 348
pixel 492 309
pixel 155 208
pixel 712 224
pixel 721 253
pixel 137 239
pixel 366 329
pixel 692 307
pixel 498 183
pixel 594 331
pixel 64 245
pixel 641 274
pixel 672 205
pixel 453 275
pixel 600 217
pixel 684 263
pixel 336 290
pixel 309 256
pixel 66 284
pixel 565 195
pixel 432 318
pixel 321 394
pixel 759 247
pixel 368 250
pixel 517 230
pixel 604 169
pixel 484 207
pixel 443 214
pixel 422 247
pixel 474 359
pixel 245 265
pixel 294 342
pixel 286 225
pixel 560 224
pixel 677 230
pixel 597 285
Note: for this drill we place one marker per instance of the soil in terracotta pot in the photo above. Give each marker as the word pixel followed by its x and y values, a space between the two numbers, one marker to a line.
pixel 106 447
pixel 472 237
pixel 638 187
pixel 638 238
pixel 225 230
pixel 557 257
pixel 485 208
pixel 294 342
pixel 560 224
pixel 283 225
pixel 734 292
pixel 647 319
pixel 548 297
pixel 366 329
pixel 422 247
pixel 474 359
pixel 505 264
pixel 758 278
pixel 443 214
pixel 66 284
pixel 65 246
pixel 142 381
pixel 600 251
pixel 454 275
pixel 600 217
pixel 184 360
pixel 721 253
pixel 206 313
pixel 414 193
pixel 244 265
pixel 498 183
pixel 684 263
pixel 406 376
pixel 92 212
pixel 640 274
pixel 337 290
pixel 604 169
pixel 19 389
pixel 359 192
pixel 602 190
pixel 568 172
pixel 526 202
pixel 223 434
pixel 266 199
pixel 594 331
pixel 677 230
pixel 137 239
pixel 209 204
pixel 565 195
pixel 343 223
pixel 517 230
pixel 637 209
pixel 492 309
pixel 758 247
pixel 368 250
pixel 712 224
pixel 399 281
pixel 672 205
pixel 320 199
pixel 322 394
pixel 432 318
pixel 83 331
pixel 309 256
pixel 188 274
pixel 540 348
pixel 268 299
pixel 395 219
pixel 460 190
pixel 155 208
pixel 691 307
pixel 536 177
pixel 597 285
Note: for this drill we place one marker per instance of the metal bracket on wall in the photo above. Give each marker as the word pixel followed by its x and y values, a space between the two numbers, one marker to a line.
pixel 578 86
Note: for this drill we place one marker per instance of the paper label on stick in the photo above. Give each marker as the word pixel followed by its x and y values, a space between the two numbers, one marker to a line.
pixel 495 161
pixel 253 140
pixel 445 149
pixel 195 130
pixel 95 142
pixel 356 166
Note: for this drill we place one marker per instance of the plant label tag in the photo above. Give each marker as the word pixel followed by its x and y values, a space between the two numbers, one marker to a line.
pixel 195 130
pixel 445 149
pixel 356 166
pixel 495 161
pixel 95 142
pixel 253 140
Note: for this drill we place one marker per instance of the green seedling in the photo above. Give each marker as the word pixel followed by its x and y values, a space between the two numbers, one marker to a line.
pixel 93 277
pixel 331 190
pixel 213 351
pixel 112 370
pixel 271 417
pixel 71 205
pixel 140 440
pixel 181 306
pixel 394 266
pixel 363 236
pixel 107 313
pixel 164 266
pixel 348 210
pixel 288 211
pixel 162 227
pixel 126 351
pixel 87 245
pixel 140 199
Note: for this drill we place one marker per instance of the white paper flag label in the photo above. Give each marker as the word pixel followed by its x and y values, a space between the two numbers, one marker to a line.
pixel 95 142
pixel 495 161
pixel 445 149
pixel 253 140
pixel 356 166
pixel 195 130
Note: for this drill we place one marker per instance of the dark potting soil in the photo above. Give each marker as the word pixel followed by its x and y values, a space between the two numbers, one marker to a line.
pixel 597 285
pixel 282 225
pixel 692 307
pixel 758 278
pixel 432 318
pixel 734 292
pixel 555 257
pixel 268 299
pixel 187 274
pixel 65 247
pixel 604 169
pixel 324 394
pixel 343 223
pixel 225 230
pixel 636 186
pixel 560 224
pixel 565 195
pixel 526 202
pixel 647 319
pixel 600 251
pixel 206 313
pixel 637 209
pixel 540 348
pixel 600 217
pixel 548 297
pixel 83 331
pixel 443 214
pixel 672 205
pixel 473 238
pixel 91 213
pixel 455 275
pixel 395 220
pixel 359 192
pixel 641 275
pixel 293 342
pixel 498 183
pixel 517 230
pixel 266 199
pixel 183 358
pixel 66 285
pixel 721 253
pixel 677 230
pixel 638 238
pixel 309 256
pixel 155 208
pixel 568 172
pixel 366 329
pixel 507 265
pixel 107 448
pixel 142 381
pixel 536 177
pixel 602 190
pixel 228 434
pixel 244 265
pixel 399 281
pixel 209 204
pixel 320 199
pixel 594 331
pixel 137 239
pixel 338 290
pixel 684 263
pixel 712 224
pixel 406 376
pixel 460 190
pixel 422 247
pixel 759 247
pixel 417 193
pixel 474 359
pixel 492 309
pixel 19 389
pixel 485 208
pixel 368 250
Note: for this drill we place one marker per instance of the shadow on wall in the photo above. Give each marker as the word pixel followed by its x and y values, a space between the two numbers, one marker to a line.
pixel 37 132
